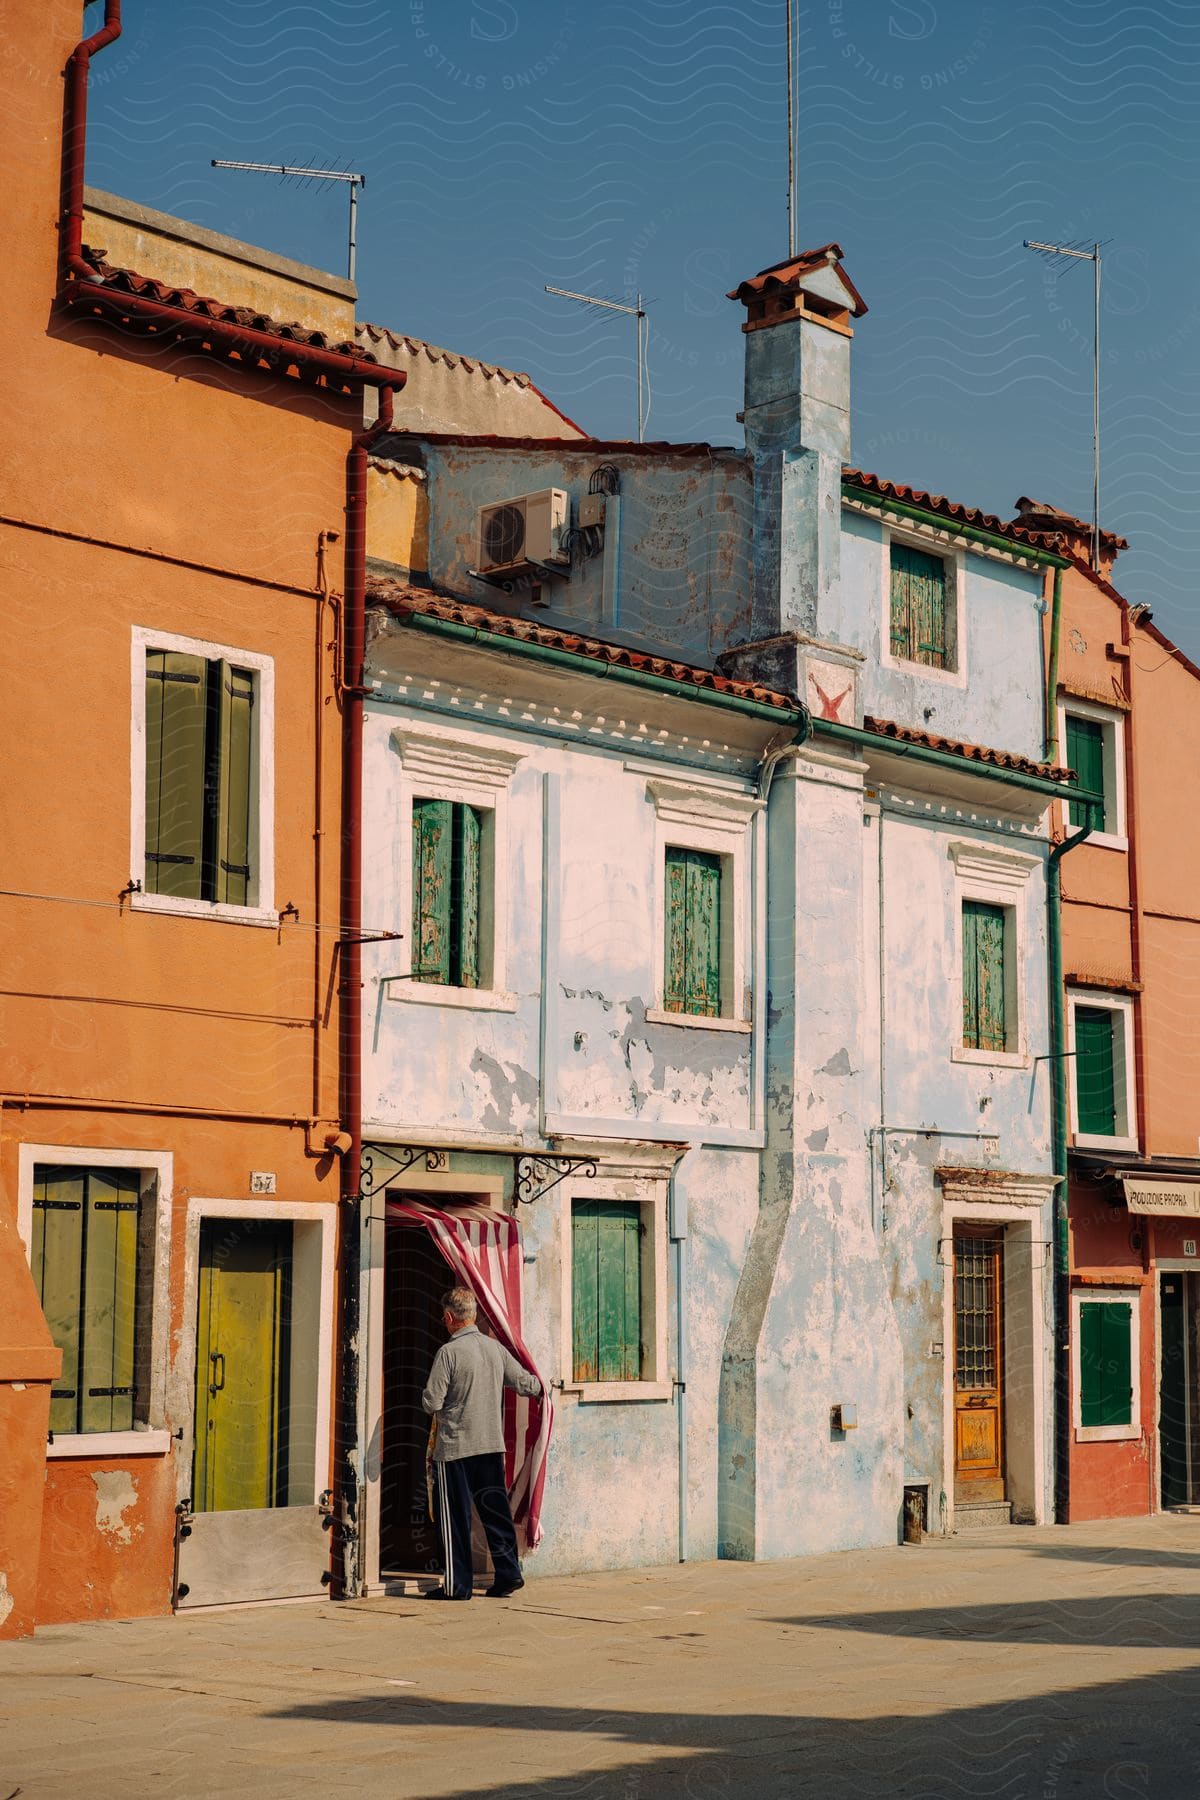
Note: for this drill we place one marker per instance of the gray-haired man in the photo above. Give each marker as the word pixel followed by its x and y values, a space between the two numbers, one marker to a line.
pixel 465 1390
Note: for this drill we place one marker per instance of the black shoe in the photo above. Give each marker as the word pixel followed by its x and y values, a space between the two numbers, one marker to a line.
pixel 499 1592
pixel 441 1594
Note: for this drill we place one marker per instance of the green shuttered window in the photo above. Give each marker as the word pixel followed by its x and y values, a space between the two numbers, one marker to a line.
pixel 85 1265
pixel 693 949
pixel 1096 1070
pixel 1085 754
pixel 200 779
pixel 985 1023
pixel 1105 1362
pixel 918 607
pixel 606 1290
pixel 447 892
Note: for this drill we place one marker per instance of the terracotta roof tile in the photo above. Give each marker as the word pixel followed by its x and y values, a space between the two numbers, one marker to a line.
pixel 471 365
pixel 998 759
pixel 127 281
pixel 1040 516
pixel 403 600
pixel 787 275
pixel 952 509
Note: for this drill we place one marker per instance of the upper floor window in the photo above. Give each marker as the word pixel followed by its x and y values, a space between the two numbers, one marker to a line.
pixel 992 919
pixel 447 892
pixel 1101 1091
pixel 986 930
pixel 692 981
pixel 203 804
pixel 920 628
pixel 1093 740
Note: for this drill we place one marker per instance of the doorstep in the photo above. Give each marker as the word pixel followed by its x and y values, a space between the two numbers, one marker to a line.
pixel 982 1515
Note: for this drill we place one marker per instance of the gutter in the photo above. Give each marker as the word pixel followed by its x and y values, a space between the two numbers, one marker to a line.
pixel 586 665
pixel 1058 1127
pixel 947 759
pixel 992 539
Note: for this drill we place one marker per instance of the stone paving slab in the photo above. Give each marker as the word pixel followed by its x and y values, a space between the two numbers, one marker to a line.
pixel 1028 1664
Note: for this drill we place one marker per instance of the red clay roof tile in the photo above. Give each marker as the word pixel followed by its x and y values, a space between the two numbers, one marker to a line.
pixel 998 759
pixel 952 509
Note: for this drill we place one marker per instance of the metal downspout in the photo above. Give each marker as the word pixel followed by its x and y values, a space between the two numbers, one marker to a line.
pixel 1058 1116
pixel 75 141
pixel 681 1384
pixel 1051 730
pixel 347 1462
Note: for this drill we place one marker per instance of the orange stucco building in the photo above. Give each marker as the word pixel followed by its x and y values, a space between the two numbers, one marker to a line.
pixel 1129 720
pixel 175 548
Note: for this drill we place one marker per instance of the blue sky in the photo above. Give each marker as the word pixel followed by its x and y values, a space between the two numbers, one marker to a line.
pixel 612 147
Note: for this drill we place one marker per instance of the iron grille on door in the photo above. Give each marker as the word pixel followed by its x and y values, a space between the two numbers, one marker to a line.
pixel 976 1270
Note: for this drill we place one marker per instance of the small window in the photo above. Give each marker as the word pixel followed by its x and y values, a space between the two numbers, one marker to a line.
pixel 90 1271
pixel 201 796
pixel 919 631
pixel 1097 1063
pixel 1105 1363
pixel 1085 754
pixel 606 1290
pixel 447 893
pixel 986 1024
pixel 692 981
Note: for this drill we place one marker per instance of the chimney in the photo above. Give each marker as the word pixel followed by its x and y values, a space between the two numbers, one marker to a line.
pixel 797 417
pixel 1074 534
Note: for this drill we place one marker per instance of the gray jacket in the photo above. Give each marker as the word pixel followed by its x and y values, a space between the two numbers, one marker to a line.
pixel 464 1389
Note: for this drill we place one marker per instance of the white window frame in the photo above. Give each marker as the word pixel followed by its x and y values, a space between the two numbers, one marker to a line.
pixel 997 877
pixel 718 822
pixel 1101 1000
pixel 650 1194
pixel 954 556
pixel 151 1436
pixel 467 771
pixel 1107 1434
pixel 262 911
pixel 1114 836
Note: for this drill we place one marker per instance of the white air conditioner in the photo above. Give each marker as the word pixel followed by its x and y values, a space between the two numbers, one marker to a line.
pixel 525 530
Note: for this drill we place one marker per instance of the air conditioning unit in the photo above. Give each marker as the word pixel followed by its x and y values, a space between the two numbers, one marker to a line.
pixel 528 529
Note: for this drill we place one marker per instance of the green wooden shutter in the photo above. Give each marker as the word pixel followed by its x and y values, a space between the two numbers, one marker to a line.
pixel 231 779
pixel 56 1256
pixel 1085 754
pixel 692 977
pixel 109 1300
pixel 985 1025
pixel 918 606
pixel 1095 1071
pixel 467 824
pixel 175 770
pixel 432 860
pixel 1105 1362
pixel 606 1294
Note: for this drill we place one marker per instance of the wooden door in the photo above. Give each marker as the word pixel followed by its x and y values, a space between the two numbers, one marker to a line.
pixel 978 1364
pixel 242 1354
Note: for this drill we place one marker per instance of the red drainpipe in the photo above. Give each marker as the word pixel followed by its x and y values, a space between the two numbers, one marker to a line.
pixel 78 287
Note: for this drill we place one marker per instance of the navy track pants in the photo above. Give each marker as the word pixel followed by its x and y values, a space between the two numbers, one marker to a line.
pixel 477 1481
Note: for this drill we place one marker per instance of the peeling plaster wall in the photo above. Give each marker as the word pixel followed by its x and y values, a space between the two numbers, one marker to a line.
pixel 685 528
pixel 107 1541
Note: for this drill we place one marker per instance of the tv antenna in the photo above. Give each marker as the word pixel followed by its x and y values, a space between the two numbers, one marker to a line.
pixel 793 244
pixel 637 312
pixel 308 173
pixel 1077 254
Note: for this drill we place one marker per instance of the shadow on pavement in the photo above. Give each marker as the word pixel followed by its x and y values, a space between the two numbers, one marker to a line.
pixel 1118 1621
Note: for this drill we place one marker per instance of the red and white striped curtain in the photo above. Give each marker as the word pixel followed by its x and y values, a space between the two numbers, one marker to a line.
pixel 483 1248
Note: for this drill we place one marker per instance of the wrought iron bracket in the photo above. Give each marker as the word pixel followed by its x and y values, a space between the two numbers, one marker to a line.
pixel 536 1175
pixel 401 1157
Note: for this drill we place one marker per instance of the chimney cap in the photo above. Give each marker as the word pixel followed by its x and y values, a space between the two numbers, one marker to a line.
pixel 790 277
pixel 1040 517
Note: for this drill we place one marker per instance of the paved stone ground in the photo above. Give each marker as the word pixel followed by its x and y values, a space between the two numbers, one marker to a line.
pixel 1028 1664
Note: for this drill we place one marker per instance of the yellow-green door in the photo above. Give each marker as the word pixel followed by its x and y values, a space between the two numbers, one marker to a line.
pixel 241 1365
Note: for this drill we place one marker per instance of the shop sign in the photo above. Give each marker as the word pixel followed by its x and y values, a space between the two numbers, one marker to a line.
pixel 1162 1196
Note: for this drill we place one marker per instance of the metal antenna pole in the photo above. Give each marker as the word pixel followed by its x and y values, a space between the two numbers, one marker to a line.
pixel 791 129
pixel 355 180
pixel 637 312
pixel 1092 256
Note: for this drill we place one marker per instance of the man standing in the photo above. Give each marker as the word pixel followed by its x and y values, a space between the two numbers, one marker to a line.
pixel 465 1390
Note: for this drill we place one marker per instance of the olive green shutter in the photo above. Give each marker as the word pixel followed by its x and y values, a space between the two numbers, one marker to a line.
pixel 57 1259
pixel 606 1298
pixel 985 1024
pixel 918 606
pixel 109 1300
pixel 230 782
pixel 432 859
pixel 175 771
pixel 1085 754
pixel 692 981
pixel 1095 1071
pixel 1105 1362
pixel 465 897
